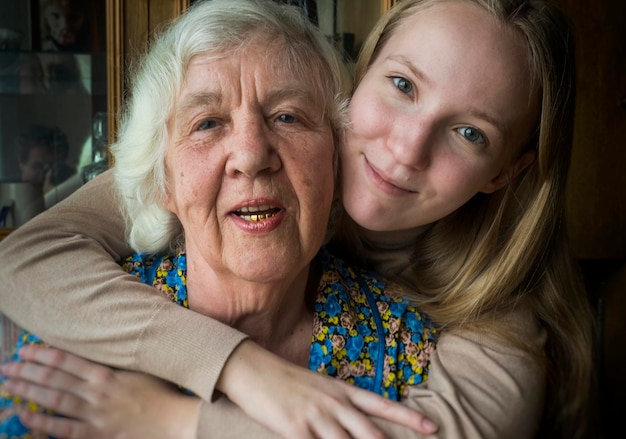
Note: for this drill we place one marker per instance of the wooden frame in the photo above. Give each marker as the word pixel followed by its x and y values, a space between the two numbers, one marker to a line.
pixel 129 26
pixel 385 5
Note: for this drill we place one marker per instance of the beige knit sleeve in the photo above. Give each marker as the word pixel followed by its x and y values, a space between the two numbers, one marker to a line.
pixel 478 387
pixel 61 281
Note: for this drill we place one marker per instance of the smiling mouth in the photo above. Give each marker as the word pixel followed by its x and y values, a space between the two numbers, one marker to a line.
pixel 383 182
pixel 259 213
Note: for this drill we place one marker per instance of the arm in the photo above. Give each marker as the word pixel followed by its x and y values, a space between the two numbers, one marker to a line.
pixel 99 402
pixel 478 386
pixel 62 282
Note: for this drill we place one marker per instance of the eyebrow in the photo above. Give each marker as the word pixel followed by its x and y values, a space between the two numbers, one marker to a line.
pixel 195 100
pixel 281 94
pixel 417 72
pixel 422 77
pixel 273 97
pixel 486 117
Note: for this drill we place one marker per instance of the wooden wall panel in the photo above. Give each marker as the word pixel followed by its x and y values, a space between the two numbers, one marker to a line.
pixel 597 186
pixel 130 25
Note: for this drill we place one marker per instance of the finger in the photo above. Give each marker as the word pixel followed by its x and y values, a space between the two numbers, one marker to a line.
pixel 64 403
pixel 392 411
pixel 67 362
pixel 42 375
pixel 346 420
pixel 321 422
pixel 61 428
pixel 357 424
pixel 330 428
pixel 346 424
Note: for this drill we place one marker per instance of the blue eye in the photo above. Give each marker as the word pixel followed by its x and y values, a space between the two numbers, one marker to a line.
pixel 207 125
pixel 286 118
pixel 402 84
pixel 472 135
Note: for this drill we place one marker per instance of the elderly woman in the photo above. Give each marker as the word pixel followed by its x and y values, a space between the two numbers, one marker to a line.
pixel 225 165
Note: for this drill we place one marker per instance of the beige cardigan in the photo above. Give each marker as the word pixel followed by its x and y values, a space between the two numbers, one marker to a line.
pixel 66 287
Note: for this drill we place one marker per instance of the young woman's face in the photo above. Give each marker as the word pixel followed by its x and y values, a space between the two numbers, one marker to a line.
pixel 442 114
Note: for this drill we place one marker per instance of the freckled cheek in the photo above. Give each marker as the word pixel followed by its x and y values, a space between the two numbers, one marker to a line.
pixel 319 180
pixel 184 182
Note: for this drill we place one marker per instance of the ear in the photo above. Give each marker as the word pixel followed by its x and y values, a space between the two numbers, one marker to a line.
pixel 510 172
pixel 169 203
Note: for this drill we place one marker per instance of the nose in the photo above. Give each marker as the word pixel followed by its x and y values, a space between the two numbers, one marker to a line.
pixel 410 142
pixel 252 149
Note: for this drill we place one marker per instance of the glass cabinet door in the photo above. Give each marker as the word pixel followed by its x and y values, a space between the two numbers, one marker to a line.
pixel 61 86
pixel 53 102
pixel 345 23
pixel 348 22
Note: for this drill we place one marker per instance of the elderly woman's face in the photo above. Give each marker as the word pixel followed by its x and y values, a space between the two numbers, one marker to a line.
pixel 250 165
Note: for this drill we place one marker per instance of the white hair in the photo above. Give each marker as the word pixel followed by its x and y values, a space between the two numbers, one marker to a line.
pixel 214 27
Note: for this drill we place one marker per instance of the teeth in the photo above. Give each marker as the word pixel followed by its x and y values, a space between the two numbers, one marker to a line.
pixel 259 217
pixel 254 209
pixel 251 213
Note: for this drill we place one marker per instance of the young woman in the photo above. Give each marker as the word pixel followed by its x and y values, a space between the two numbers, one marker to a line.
pixel 454 171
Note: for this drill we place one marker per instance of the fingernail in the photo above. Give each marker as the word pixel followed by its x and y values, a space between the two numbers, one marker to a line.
pixel 429 425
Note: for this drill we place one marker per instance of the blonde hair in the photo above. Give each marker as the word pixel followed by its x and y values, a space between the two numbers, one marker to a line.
pixel 511 246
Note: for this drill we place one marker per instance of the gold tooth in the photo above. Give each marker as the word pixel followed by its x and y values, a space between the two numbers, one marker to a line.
pixel 261 216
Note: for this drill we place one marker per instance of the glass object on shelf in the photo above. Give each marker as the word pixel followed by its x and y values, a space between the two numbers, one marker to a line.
pixel 50 91
pixel 345 23
pixel 100 159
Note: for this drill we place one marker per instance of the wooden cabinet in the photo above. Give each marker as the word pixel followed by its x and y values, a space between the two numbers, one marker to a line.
pixel 597 186
pixel 52 102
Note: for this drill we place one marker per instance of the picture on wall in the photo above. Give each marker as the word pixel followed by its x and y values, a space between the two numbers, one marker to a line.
pixel 68 25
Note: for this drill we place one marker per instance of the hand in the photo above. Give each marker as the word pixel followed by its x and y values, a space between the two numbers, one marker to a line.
pixel 99 402
pixel 296 402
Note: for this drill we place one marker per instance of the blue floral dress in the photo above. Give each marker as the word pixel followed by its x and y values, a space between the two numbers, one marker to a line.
pixel 364 331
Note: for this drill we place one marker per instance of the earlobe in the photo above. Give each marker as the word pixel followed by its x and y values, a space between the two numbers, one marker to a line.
pixel 509 173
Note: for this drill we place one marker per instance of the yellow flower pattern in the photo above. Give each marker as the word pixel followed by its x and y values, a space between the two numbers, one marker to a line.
pixel 367 333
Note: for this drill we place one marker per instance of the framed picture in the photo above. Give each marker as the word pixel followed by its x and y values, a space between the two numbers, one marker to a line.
pixel 68 25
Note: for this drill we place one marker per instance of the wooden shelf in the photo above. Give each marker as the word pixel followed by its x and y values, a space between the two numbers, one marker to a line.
pixel 4 231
